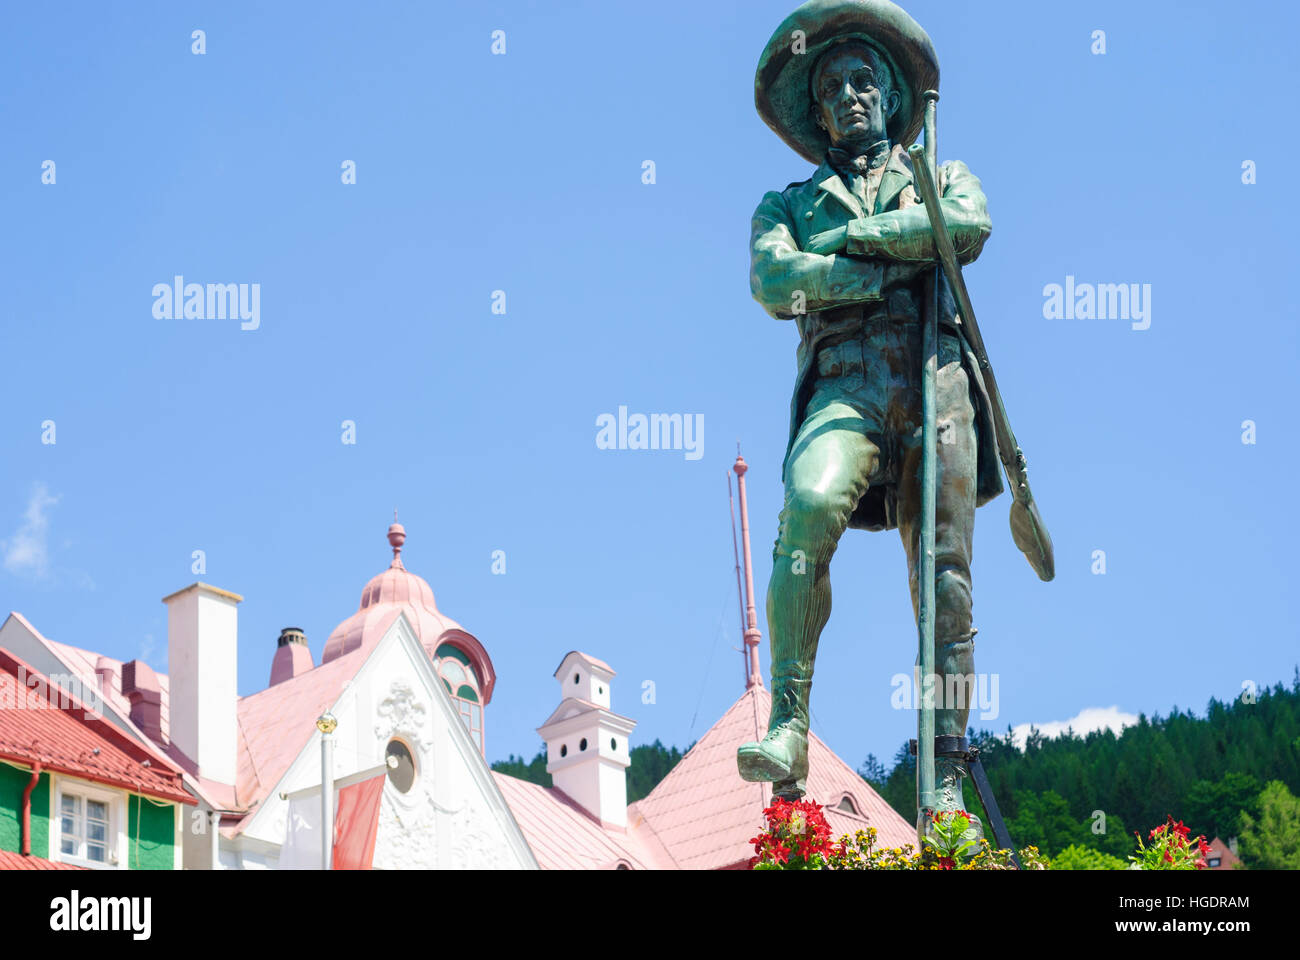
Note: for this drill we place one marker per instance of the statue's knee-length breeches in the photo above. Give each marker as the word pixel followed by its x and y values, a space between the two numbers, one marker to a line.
pixel 862 428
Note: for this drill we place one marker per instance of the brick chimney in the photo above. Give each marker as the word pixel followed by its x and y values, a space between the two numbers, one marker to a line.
pixel 292 657
pixel 140 686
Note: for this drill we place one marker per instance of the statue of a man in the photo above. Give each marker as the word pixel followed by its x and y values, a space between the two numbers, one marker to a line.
pixel 849 254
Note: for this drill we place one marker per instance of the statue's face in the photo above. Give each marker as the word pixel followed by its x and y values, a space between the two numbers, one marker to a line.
pixel 850 103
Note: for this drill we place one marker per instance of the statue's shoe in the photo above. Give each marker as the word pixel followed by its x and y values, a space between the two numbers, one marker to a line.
pixel 780 756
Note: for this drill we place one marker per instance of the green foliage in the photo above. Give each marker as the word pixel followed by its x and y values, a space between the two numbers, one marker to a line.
pixel 873 771
pixel 1214 807
pixel 1272 842
pixel 534 772
pixel 1206 771
pixel 1044 820
pixel 651 762
pixel 860 852
pixel 1079 857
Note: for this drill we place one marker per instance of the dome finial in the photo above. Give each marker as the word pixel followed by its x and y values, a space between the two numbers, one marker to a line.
pixel 396 537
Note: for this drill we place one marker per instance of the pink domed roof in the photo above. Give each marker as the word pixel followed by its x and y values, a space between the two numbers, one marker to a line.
pixel 392 592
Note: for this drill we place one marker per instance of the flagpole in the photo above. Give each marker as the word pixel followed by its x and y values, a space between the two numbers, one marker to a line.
pixel 326 724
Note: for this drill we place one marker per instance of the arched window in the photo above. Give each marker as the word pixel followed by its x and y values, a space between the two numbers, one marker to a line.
pixel 462 683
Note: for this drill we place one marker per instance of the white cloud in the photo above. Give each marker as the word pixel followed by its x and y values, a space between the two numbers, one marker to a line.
pixel 1083 723
pixel 27 551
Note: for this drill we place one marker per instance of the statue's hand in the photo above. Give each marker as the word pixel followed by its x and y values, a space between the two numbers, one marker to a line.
pixel 827 242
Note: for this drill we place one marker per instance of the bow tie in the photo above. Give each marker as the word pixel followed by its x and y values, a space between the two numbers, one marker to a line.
pixel 846 162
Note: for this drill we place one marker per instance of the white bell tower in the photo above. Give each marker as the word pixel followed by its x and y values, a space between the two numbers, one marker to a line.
pixel 587 751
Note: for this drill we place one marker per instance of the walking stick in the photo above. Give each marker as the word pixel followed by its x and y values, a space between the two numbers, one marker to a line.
pixel 929 490
pixel 1027 527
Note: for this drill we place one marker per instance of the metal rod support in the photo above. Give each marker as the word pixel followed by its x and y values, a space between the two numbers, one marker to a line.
pixel 929 489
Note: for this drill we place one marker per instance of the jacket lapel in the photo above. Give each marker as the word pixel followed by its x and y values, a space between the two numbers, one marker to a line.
pixel 897 175
pixel 829 181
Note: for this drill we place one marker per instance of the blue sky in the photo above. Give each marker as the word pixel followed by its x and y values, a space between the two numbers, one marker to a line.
pixel 523 173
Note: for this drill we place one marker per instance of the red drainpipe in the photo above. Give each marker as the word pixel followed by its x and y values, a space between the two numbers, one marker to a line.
pixel 27 809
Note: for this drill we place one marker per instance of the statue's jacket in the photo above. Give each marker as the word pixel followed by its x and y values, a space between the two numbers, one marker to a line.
pixel 837 293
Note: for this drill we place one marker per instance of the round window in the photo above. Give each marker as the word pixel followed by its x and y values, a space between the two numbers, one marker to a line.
pixel 583 744
pixel 401 765
pixel 575 678
pixel 613 744
pixel 564 749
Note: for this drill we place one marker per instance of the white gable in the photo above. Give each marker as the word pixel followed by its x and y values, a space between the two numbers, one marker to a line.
pixel 453 816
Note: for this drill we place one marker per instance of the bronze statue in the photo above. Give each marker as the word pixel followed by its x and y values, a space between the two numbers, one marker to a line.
pixel 850 255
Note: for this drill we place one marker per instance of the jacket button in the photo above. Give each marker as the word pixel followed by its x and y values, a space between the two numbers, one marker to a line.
pixel 808 215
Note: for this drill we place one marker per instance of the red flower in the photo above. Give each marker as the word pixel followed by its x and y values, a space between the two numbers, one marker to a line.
pixel 947 863
pixel 1168 858
pixel 780 853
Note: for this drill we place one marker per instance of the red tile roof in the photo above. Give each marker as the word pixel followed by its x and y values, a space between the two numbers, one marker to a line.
pixel 563 836
pixel 42 722
pixel 275 724
pixel 590 660
pixel 84 664
pixel 705 814
pixel 16 861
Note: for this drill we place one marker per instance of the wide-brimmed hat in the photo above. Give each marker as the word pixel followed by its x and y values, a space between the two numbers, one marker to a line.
pixel 782 89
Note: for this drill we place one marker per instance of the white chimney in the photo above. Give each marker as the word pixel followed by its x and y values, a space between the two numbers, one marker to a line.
pixel 202 637
pixel 587 749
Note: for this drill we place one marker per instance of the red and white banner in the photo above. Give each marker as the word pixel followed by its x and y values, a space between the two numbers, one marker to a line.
pixel 356 823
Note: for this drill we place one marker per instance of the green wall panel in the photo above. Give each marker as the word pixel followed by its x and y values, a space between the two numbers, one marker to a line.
pixel 151 835
pixel 12 784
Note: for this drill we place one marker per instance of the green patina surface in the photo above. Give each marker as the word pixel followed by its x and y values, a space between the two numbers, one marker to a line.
pixel 151 834
pixel 12 784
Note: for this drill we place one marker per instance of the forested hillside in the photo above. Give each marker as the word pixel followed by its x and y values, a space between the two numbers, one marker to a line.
pixel 1207 771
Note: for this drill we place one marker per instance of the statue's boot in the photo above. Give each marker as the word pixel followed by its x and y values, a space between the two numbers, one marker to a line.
pixel 798 606
pixel 782 755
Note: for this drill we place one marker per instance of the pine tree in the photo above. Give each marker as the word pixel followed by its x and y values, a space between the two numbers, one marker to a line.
pixel 1272 842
